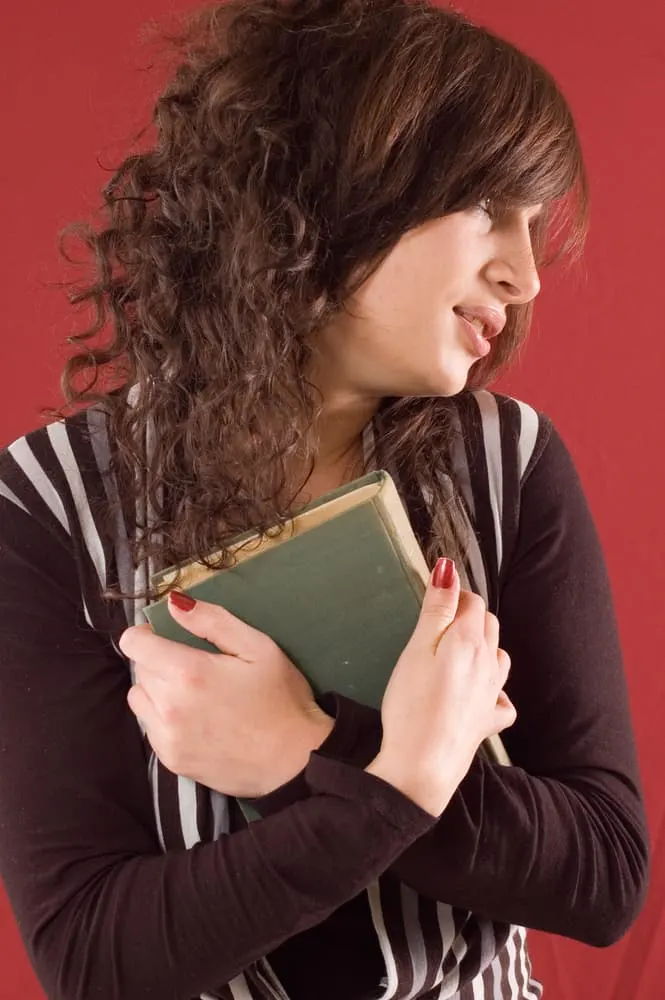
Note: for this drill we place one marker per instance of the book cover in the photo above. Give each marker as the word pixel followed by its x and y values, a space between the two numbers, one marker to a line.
pixel 339 590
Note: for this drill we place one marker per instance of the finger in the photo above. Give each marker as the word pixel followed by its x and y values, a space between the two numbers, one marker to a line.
pixel 130 632
pixel 505 713
pixel 503 699
pixel 471 614
pixel 155 653
pixel 143 708
pixel 503 666
pixel 492 631
pixel 158 683
pixel 223 629
pixel 438 609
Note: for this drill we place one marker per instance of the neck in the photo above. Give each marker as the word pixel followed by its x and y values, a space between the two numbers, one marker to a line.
pixel 346 411
pixel 340 437
pixel 339 457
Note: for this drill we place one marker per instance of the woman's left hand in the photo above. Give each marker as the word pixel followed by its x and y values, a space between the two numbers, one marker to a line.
pixel 242 721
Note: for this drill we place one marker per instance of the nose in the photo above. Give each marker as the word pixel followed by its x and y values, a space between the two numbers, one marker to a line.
pixel 513 266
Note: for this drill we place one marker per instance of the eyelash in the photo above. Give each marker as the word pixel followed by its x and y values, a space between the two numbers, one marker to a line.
pixel 485 207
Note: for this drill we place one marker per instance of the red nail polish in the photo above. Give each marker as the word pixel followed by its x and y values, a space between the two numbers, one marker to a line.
pixel 444 573
pixel 182 601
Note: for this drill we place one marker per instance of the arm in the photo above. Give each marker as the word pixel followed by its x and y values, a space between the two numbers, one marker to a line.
pixel 557 842
pixel 101 910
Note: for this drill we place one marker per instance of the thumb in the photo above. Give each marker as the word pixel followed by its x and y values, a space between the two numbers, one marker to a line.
pixel 506 713
pixel 214 623
pixel 440 604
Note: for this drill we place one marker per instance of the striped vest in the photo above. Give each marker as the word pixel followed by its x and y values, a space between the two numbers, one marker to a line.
pixel 431 950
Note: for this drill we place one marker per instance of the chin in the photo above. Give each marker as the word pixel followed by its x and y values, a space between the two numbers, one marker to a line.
pixel 439 380
pixel 449 383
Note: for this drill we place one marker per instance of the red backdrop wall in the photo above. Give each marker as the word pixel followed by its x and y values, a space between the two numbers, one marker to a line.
pixel 74 86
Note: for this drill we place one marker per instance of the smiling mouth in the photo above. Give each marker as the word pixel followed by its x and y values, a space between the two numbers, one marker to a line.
pixel 474 330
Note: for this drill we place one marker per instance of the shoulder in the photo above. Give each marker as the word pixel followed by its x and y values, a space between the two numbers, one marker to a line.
pixel 501 434
pixel 53 472
pixel 496 444
pixel 55 488
pixel 58 503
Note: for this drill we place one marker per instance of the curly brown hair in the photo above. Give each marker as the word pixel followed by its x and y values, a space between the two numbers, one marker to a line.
pixel 296 142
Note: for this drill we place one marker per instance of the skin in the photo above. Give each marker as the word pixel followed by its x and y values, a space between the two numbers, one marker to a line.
pixel 398 336
pixel 244 721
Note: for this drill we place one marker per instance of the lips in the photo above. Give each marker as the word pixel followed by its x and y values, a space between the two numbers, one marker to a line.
pixel 479 344
pixel 488 321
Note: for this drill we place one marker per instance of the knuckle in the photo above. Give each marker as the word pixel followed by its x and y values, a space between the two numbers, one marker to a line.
pixel 476 601
pixel 190 676
pixel 134 695
pixel 479 647
pixel 126 639
pixel 171 715
pixel 263 643
pixel 475 647
pixel 445 616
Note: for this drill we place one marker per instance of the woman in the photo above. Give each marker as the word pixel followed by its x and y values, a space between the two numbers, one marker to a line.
pixel 331 247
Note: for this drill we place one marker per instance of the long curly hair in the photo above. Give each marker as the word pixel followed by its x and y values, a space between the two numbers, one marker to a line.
pixel 295 142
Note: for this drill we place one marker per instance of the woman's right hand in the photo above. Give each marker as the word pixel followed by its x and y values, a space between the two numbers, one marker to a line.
pixel 444 697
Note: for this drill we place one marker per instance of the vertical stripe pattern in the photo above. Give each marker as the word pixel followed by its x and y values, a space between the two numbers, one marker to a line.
pixel 473 958
pixel 431 951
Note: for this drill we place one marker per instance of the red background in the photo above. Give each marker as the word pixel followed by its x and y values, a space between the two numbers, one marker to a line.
pixel 74 85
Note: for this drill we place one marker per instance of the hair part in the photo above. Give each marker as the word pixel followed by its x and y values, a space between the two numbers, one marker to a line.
pixel 296 142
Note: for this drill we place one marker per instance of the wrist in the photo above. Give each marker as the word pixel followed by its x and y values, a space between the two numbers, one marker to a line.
pixel 431 789
pixel 290 759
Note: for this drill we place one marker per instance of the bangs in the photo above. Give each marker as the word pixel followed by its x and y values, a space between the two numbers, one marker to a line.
pixel 503 130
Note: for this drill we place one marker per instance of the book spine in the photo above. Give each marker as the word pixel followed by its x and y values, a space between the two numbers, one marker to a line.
pixel 390 509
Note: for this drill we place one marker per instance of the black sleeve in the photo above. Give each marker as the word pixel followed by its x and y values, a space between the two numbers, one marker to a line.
pixel 102 912
pixel 557 842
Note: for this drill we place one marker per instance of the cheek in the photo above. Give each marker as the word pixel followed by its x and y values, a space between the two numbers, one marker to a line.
pixel 419 283
pixel 408 297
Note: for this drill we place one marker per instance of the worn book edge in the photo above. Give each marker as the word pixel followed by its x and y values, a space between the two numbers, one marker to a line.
pixel 376 487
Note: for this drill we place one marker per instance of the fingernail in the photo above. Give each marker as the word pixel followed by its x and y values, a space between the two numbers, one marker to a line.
pixel 444 573
pixel 182 601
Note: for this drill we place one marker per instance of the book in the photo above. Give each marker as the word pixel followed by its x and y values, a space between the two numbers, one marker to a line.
pixel 339 590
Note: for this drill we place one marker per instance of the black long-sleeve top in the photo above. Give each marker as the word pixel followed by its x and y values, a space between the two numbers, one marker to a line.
pixel 556 842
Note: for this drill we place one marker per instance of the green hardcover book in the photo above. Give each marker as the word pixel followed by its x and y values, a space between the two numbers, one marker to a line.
pixel 339 590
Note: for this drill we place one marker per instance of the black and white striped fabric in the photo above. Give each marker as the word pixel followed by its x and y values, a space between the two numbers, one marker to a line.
pixel 431 951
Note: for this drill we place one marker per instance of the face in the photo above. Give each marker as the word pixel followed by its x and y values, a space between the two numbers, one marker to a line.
pixel 402 334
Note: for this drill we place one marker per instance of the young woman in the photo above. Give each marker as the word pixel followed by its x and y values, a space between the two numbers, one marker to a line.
pixel 316 266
